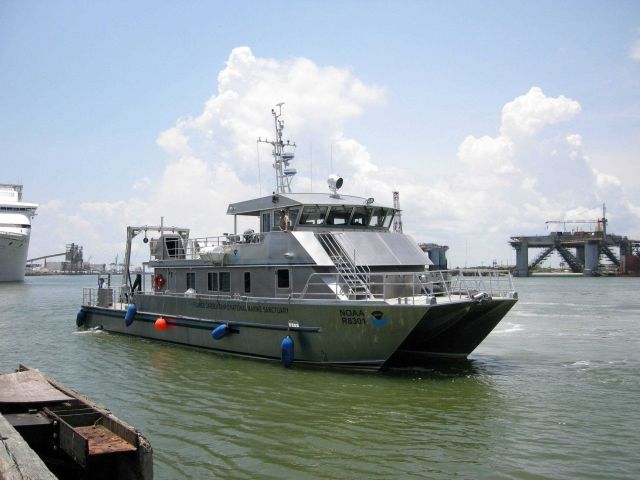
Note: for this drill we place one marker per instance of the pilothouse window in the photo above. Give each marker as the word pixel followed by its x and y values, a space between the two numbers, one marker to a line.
pixel 339 215
pixel 281 220
pixel 361 216
pixel 293 216
pixel 313 215
pixel 389 219
pixel 378 217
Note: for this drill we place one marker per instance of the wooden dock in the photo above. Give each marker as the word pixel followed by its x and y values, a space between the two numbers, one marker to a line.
pixel 49 431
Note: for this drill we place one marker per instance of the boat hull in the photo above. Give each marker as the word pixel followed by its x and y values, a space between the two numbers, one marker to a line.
pixel 13 256
pixel 348 334
pixel 459 339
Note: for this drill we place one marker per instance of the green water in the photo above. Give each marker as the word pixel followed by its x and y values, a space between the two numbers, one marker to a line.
pixel 554 392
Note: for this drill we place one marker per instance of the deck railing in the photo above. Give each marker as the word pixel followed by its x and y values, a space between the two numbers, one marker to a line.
pixel 495 283
pixel 414 287
pixel 408 288
pixel 194 246
pixel 107 297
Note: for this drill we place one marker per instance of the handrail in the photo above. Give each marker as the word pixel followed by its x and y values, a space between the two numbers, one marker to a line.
pixel 355 278
pixel 190 249
pixel 363 269
pixel 195 245
pixel 452 284
pixel 402 287
pixel 106 296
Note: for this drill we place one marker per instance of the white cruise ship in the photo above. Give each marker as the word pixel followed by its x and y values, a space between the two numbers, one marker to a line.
pixel 15 230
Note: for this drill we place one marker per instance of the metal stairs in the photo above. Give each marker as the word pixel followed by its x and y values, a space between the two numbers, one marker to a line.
pixel 575 264
pixel 540 258
pixel 605 250
pixel 355 278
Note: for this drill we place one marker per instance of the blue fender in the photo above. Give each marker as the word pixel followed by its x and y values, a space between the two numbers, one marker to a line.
pixel 130 316
pixel 220 331
pixel 287 351
pixel 81 317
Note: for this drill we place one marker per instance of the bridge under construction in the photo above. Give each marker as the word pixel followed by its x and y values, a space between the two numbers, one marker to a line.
pixel 590 252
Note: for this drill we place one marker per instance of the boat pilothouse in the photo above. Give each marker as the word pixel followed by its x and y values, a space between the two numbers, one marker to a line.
pixel 321 279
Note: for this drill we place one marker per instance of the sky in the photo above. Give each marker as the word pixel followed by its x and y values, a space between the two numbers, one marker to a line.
pixel 489 118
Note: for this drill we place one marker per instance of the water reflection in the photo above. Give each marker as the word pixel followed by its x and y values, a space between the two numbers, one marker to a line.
pixel 210 415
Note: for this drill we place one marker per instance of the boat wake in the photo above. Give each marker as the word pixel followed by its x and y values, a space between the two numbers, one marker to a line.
pixel 89 331
pixel 509 328
pixel 580 363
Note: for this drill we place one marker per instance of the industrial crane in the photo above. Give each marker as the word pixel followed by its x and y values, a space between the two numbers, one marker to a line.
pixel 601 223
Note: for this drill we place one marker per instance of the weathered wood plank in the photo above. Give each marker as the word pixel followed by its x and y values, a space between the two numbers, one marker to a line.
pixel 102 440
pixel 17 460
pixel 29 386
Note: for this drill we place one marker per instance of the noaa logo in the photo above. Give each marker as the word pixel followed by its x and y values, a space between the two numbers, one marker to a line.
pixel 378 318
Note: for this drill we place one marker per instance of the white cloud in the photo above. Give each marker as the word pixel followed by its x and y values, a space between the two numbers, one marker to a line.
pixel 605 181
pixel 522 118
pixel 575 140
pixel 528 114
pixel 491 153
pixel 348 152
pixel 318 102
pixel 174 141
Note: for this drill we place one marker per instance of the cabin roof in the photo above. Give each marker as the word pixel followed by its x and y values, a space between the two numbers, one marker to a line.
pixel 282 200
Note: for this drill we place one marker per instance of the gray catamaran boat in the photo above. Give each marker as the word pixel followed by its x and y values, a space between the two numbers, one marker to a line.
pixel 324 281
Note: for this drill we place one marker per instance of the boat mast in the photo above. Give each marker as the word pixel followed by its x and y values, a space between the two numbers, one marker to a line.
pixel 397 219
pixel 281 157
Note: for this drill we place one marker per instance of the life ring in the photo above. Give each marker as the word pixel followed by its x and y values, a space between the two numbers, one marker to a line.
pixel 158 281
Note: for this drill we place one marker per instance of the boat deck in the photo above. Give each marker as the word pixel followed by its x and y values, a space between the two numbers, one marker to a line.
pixel 101 440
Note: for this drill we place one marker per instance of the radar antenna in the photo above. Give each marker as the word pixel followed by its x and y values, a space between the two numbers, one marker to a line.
pixel 282 154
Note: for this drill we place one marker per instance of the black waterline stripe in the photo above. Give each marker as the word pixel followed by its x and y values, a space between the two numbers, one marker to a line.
pixel 212 323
